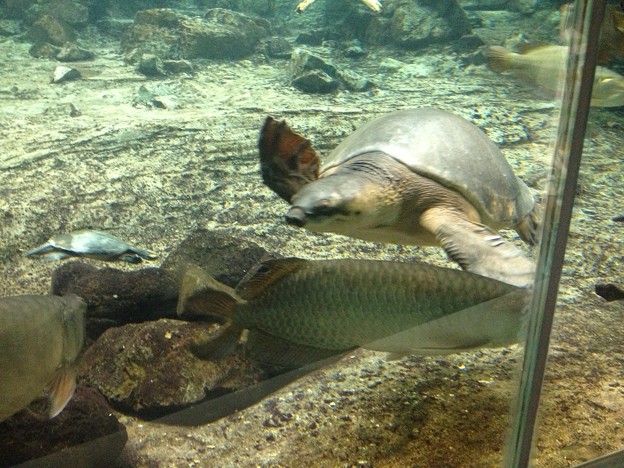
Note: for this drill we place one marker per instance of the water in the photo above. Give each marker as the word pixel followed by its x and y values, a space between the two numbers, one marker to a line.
pixel 154 176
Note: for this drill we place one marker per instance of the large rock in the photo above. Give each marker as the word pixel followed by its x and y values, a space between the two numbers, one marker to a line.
pixel 116 297
pixel 418 23
pixel 50 30
pixel 150 368
pixel 220 34
pixel 71 12
pixel 313 74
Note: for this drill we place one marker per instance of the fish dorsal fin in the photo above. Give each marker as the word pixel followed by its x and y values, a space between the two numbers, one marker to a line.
pixel 61 389
pixel 524 47
pixel 268 273
pixel 203 296
pixel 287 160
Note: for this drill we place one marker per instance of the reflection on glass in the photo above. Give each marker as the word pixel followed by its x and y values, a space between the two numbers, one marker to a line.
pixel 244 329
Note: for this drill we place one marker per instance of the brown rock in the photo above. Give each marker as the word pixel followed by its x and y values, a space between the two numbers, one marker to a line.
pixel 49 29
pixel 115 297
pixel 149 368
pixel 171 35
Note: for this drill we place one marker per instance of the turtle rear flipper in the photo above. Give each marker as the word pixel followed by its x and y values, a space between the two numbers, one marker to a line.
pixel 477 248
pixel 142 253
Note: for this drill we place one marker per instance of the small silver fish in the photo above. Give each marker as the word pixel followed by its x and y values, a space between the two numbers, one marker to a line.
pixel 41 338
pixel 92 244
pixel 298 311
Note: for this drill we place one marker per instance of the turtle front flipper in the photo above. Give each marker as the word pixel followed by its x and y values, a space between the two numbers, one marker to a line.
pixel 477 248
pixel 287 160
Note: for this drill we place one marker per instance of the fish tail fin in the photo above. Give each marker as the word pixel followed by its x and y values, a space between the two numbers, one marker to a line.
pixel 499 58
pixel 203 296
pixel 219 347
pixel 61 389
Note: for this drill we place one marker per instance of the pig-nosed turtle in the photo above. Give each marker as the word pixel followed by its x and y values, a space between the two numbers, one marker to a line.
pixel 92 244
pixel 419 176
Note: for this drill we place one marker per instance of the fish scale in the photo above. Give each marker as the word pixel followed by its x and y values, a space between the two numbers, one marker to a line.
pixel 340 304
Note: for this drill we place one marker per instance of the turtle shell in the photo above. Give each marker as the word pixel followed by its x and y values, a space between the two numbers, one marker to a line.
pixel 449 150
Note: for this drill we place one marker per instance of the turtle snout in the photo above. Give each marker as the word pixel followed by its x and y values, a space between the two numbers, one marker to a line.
pixel 296 216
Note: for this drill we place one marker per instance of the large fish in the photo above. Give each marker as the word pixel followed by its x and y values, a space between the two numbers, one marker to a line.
pixel 543 66
pixel 297 311
pixel 41 338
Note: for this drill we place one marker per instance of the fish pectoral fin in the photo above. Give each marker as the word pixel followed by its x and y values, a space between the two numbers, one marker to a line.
pixel 279 352
pixel 287 160
pixel 219 347
pixel 61 389
pixel 203 296
pixel 479 249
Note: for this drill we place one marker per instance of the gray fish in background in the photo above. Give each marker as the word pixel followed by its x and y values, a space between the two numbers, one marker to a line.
pixel 297 311
pixel 543 66
pixel 92 244
pixel 41 338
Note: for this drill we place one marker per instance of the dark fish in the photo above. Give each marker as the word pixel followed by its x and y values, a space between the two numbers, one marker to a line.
pixel 41 338
pixel 297 311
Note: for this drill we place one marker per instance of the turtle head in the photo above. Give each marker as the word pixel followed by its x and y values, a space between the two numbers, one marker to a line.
pixel 344 203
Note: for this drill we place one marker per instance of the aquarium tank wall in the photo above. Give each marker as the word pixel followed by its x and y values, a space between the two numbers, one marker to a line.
pixel 317 233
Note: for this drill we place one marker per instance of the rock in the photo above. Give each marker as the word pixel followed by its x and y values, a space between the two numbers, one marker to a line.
pixel 313 37
pixel 178 66
pixel 149 368
pixel 220 34
pixel 354 49
pixel 277 47
pixel 315 81
pixel 391 65
pixel 418 23
pixel 62 73
pixel 49 29
pixel 44 50
pixel 16 9
pixel 224 257
pixel 116 295
pixel 303 60
pixel 484 4
pixel 354 82
pixel 87 432
pixel 150 65
pixel 312 74
pixel 468 43
pixel 69 12
pixel 71 52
